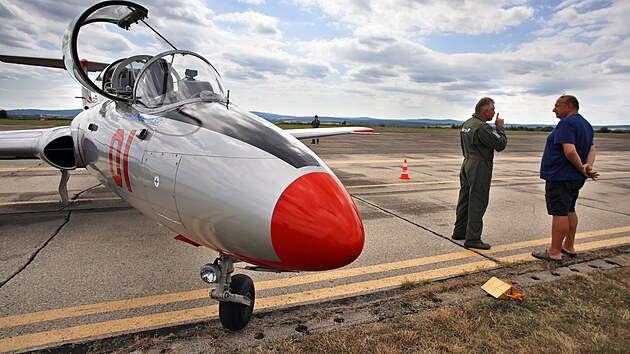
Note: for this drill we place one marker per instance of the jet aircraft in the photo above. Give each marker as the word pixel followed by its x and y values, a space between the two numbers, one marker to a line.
pixel 164 136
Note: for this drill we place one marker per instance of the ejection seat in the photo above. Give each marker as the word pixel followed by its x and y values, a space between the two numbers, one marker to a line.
pixel 190 87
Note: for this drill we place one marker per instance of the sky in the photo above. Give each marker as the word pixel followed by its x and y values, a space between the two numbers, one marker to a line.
pixel 355 58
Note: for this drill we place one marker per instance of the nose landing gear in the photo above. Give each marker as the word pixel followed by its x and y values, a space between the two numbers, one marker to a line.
pixel 235 315
pixel 236 294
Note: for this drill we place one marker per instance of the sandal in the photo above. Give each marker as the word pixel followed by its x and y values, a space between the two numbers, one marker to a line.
pixel 544 255
pixel 569 254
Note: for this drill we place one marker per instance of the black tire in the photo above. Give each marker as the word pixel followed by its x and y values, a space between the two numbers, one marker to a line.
pixel 235 316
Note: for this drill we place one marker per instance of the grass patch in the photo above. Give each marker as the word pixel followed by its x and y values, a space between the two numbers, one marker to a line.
pixel 512 264
pixel 46 122
pixel 583 313
pixel 407 284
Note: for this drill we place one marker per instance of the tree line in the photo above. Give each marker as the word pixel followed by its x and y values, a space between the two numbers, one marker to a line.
pixel 548 129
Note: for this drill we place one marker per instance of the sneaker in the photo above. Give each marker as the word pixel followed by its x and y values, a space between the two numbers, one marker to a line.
pixel 477 244
pixel 458 237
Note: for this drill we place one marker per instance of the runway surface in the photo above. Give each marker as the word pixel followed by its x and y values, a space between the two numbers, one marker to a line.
pixel 98 268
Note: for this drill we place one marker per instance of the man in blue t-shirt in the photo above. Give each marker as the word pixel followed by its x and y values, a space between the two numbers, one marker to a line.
pixel 566 163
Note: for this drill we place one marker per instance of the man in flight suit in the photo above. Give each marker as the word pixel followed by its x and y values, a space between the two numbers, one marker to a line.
pixel 478 142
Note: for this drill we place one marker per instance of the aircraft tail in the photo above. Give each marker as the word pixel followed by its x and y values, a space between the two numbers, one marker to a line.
pixel 86 96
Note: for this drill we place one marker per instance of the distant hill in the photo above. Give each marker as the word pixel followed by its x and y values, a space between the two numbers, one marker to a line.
pixel 43 113
pixel 275 118
pixel 279 118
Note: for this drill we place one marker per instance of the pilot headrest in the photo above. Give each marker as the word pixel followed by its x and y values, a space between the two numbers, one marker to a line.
pixel 190 74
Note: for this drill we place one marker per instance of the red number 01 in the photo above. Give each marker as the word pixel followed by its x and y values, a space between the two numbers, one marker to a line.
pixel 117 140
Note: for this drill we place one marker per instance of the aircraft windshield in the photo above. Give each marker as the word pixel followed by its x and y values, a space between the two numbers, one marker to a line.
pixel 177 76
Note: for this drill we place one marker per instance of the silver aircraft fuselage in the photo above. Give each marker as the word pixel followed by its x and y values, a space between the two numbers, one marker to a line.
pixel 225 179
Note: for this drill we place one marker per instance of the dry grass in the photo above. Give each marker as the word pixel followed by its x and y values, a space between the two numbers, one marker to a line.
pixel 578 314
pixel 42 122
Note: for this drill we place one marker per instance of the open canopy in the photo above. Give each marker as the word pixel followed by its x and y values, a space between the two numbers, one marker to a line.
pixel 121 13
pixel 150 82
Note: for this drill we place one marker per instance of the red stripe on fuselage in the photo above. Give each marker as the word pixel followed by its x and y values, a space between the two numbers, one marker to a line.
pixel 126 159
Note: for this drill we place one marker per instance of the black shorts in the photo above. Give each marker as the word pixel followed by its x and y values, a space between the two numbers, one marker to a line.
pixel 561 196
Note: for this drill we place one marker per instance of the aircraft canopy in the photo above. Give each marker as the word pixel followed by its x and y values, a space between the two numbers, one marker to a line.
pixel 152 82
pixel 121 13
pixel 176 76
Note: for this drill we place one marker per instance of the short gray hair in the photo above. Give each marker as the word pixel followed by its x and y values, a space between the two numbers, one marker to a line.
pixel 483 103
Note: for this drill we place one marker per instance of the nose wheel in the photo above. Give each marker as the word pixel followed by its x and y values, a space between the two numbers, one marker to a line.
pixel 236 294
pixel 235 316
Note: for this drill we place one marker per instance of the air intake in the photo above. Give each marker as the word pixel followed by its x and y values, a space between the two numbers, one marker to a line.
pixel 60 152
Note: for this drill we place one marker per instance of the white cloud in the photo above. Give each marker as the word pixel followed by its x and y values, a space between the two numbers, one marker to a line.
pixel 381 63
pixel 252 2
pixel 427 16
pixel 256 23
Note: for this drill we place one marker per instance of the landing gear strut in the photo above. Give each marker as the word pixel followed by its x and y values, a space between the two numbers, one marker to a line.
pixel 236 293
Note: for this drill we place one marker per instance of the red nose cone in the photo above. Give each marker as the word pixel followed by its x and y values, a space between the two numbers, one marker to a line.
pixel 315 224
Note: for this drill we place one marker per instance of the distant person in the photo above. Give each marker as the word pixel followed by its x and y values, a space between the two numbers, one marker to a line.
pixel 315 124
pixel 478 141
pixel 567 162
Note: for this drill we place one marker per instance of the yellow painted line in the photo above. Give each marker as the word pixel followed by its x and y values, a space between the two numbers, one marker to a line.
pixel 111 306
pixel 604 174
pixel 175 317
pixel 581 247
pixel 42 316
pixel 542 241
pixel 35 202
pixel 371 285
pixel 111 327
pixel 103 307
pixel 183 316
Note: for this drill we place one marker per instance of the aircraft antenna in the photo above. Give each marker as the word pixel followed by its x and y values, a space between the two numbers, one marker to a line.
pixel 158 33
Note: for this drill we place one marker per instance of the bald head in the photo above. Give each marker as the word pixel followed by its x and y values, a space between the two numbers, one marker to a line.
pixel 565 106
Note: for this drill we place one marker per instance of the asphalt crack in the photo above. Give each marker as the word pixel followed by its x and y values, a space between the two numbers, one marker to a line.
pixel 23 169
pixel 36 252
pixel 448 238
pixel 76 196
pixel 602 209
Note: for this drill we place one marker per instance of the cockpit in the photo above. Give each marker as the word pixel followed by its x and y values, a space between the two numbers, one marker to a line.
pixel 120 77
pixel 170 78
pixel 149 82
pixel 175 77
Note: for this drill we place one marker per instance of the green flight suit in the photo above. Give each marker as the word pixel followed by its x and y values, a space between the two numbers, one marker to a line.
pixel 478 142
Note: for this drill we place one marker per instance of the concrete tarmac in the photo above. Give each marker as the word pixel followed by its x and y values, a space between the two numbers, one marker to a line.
pixel 98 268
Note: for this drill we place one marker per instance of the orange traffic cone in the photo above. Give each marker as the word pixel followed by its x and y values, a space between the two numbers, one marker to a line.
pixel 404 174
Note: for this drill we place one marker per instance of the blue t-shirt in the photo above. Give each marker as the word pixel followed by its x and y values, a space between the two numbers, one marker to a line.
pixel 575 130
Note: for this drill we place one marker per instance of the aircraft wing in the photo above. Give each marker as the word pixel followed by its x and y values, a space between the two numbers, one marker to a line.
pixel 321 132
pixel 20 143
pixel 48 62
pixel 52 145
